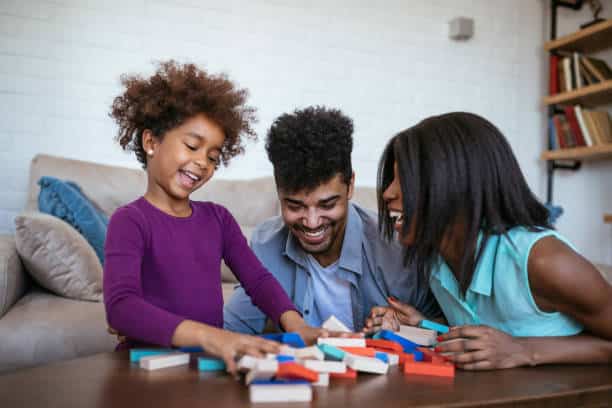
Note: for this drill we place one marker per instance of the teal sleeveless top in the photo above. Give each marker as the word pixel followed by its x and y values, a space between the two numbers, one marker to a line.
pixel 499 294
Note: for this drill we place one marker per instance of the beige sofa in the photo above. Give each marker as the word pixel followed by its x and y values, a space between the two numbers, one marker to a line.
pixel 42 327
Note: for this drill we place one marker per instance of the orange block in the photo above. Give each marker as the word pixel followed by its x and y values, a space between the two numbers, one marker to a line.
pixel 384 344
pixel 406 357
pixel 431 356
pixel 293 370
pixel 350 373
pixel 423 368
pixel 360 351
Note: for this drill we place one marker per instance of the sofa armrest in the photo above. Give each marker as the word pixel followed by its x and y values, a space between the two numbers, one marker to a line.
pixel 13 276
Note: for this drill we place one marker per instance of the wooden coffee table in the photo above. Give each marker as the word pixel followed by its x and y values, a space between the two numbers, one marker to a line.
pixel 109 380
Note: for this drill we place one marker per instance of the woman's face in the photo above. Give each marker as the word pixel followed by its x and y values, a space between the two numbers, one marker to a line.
pixel 394 200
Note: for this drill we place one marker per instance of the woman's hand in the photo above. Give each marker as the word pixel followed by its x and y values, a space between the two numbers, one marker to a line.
pixel 390 318
pixel 483 348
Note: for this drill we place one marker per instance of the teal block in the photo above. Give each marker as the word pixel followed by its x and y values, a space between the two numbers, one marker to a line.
pixel 210 364
pixel 137 354
pixel 334 353
pixel 428 324
pixel 377 336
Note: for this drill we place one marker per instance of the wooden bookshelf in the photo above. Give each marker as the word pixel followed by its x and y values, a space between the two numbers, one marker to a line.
pixel 591 39
pixel 608 218
pixel 589 96
pixel 597 152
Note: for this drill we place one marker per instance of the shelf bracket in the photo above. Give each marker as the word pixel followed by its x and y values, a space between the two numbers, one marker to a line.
pixel 552 166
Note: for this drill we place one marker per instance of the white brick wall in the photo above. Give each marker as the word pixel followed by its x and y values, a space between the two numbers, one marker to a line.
pixel 387 64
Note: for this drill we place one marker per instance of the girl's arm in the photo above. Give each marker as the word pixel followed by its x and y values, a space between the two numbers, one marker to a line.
pixel 560 280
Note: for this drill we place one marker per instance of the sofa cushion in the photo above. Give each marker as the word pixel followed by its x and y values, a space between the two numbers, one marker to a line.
pixel 13 279
pixel 58 257
pixel 57 328
pixel 65 200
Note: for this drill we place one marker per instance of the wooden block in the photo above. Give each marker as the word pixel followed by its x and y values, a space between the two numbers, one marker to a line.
pixel 280 391
pixel 359 351
pixel 247 363
pixel 428 324
pixel 164 361
pixel 393 357
pixel 433 369
pixel 406 344
pixel 263 370
pixel 325 366
pixel 423 337
pixel 366 364
pixel 331 352
pixel 296 371
pixel 384 344
pixel 323 380
pixel 210 364
pixel 341 341
pixel 350 373
pixel 137 354
pixel 431 356
pixel 333 324
pixel 309 353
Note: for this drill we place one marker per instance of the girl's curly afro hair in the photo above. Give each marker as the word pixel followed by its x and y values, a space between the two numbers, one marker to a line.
pixel 175 93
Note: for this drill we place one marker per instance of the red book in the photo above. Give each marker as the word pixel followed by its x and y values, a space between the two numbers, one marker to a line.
pixel 554 75
pixel 559 132
pixel 570 113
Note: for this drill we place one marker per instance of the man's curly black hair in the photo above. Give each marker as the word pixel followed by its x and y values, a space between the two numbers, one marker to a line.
pixel 309 147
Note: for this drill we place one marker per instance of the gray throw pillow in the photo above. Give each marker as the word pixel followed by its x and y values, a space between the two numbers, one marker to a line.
pixel 13 279
pixel 58 257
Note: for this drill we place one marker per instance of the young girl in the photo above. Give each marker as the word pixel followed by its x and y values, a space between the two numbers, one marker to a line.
pixel 516 291
pixel 163 252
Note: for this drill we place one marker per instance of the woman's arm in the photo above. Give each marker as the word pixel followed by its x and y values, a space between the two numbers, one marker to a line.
pixel 560 280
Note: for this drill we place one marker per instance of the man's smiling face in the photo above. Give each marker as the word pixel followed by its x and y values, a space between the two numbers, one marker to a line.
pixel 317 218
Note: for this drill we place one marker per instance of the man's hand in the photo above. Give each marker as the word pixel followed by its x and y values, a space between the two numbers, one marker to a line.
pixel 390 318
pixel 483 348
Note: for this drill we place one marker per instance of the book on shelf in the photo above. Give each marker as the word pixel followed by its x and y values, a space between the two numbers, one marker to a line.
pixel 570 71
pixel 579 127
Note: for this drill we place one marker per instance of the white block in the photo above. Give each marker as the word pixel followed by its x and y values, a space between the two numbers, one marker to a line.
pixel 309 353
pixel 286 350
pixel 323 380
pixel 422 337
pixel 264 370
pixel 333 324
pixel 164 361
pixel 366 364
pixel 247 363
pixel 280 393
pixel 325 366
pixel 342 342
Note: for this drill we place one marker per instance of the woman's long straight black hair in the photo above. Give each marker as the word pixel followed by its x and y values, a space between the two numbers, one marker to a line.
pixel 455 168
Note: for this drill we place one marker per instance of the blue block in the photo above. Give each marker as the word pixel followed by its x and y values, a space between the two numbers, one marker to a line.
pixel 291 339
pixel 331 352
pixel 382 357
pixel 194 349
pixel 408 346
pixel 210 364
pixel 137 354
pixel 428 324
pixel 281 358
pixel 418 355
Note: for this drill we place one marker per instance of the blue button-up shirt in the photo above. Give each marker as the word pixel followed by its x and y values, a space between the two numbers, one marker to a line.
pixel 374 269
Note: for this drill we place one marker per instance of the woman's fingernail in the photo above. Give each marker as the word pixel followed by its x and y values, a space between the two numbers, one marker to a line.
pixel 438 349
pixel 393 298
pixel 440 338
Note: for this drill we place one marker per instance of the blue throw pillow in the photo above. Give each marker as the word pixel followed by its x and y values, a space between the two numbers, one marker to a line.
pixel 65 200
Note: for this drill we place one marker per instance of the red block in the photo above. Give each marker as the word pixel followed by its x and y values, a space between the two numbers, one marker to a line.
pixel 360 351
pixel 295 371
pixel 384 344
pixel 431 356
pixel 406 357
pixel 350 373
pixel 423 368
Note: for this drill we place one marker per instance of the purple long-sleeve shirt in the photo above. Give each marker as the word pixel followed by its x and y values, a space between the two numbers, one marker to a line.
pixel 160 270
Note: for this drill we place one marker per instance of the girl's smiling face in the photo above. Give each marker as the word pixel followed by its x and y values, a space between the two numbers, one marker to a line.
pixel 395 203
pixel 184 159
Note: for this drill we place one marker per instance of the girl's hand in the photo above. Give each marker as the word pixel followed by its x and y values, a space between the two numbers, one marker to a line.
pixel 229 345
pixel 390 318
pixel 483 348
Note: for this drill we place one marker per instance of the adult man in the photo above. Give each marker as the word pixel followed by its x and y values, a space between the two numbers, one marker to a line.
pixel 324 250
